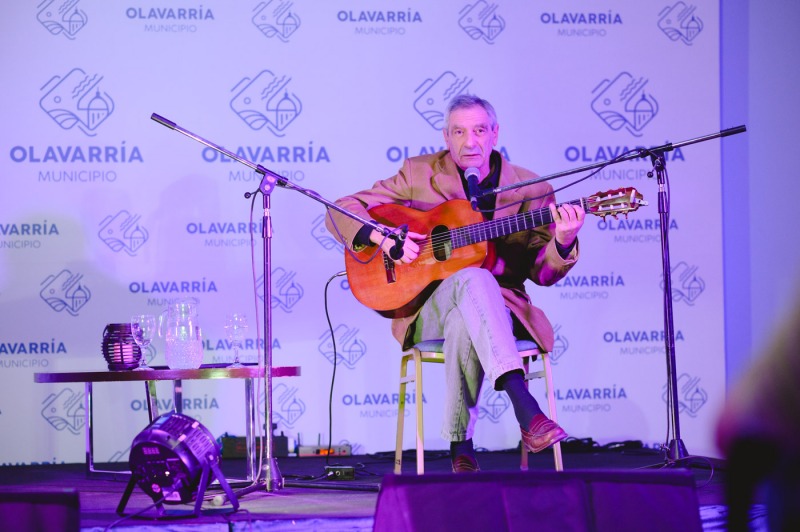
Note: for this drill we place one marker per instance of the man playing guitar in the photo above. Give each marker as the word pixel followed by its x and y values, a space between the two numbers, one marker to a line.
pixel 478 311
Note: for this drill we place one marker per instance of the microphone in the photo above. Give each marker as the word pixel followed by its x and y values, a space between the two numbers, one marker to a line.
pixel 396 253
pixel 472 175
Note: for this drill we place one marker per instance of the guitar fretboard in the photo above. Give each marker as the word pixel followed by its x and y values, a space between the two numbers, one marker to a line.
pixel 488 230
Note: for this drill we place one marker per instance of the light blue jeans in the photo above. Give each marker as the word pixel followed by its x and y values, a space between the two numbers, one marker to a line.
pixel 468 311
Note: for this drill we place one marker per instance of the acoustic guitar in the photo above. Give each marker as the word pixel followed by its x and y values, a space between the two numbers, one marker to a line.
pixel 457 237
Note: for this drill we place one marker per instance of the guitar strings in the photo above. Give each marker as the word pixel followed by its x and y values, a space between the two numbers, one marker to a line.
pixel 427 244
pixel 460 233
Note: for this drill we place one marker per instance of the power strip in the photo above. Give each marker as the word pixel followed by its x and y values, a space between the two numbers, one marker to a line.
pixel 340 472
pixel 317 450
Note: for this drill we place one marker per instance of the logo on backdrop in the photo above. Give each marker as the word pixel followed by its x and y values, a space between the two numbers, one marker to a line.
pixel 349 348
pixel 64 410
pixel 356 449
pixel 581 23
pixel 481 21
pixel 378 21
pixel 286 292
pixel 275 18
pixel 589 400
pixel 560 345
pixel 679 23
pixel 492 404
pixel 320 233
pixel 120 456
pixel 64 291
pixel 433 96
pixel 26 235
pixel 686 284
pixel 122 232
pixel 691 397
pixel 623 103
pixel 76 100
pixel 289 407
pixel 634 230
pixel 160 19
pixel 265 101
pixel 62 17
pixel 640 341
pixel 594 286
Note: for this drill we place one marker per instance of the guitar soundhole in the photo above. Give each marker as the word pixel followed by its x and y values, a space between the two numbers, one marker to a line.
pixel 441 243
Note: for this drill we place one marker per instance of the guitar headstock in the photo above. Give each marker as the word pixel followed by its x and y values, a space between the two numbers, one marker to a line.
pixel 614 202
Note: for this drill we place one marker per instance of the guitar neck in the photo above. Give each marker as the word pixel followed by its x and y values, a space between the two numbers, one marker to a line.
pixel 490 229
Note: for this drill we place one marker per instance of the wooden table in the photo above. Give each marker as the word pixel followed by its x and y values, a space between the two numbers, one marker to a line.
pixel 160 373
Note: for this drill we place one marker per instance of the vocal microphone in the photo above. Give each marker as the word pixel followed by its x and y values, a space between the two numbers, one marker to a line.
pixel 396 253
pixel 472 174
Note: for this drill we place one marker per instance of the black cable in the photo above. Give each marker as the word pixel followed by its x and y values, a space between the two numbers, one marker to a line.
pixel 140 512
pixel 259 358
pixel 573 183
pixel 333 375
pixel 350 252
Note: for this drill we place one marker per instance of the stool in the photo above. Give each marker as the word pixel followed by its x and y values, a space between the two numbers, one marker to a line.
pixel 432 351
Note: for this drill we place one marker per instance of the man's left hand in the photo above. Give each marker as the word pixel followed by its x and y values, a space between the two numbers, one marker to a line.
pixel 569 220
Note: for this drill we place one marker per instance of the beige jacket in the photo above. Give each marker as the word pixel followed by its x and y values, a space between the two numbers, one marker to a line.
pixel 429 180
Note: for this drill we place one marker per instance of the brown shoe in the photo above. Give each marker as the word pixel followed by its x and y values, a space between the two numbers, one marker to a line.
pixel 465 463
pixel 541 434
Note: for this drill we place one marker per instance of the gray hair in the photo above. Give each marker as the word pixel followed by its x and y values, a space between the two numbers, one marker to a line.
pixel 463 101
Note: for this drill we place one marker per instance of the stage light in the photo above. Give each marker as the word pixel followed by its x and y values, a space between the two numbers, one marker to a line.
pixel 174 460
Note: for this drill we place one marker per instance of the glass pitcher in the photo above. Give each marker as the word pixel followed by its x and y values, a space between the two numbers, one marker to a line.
pixel 178 324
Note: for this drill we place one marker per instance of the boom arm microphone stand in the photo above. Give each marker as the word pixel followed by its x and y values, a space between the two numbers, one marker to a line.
pixel 273 480
pixel 675 450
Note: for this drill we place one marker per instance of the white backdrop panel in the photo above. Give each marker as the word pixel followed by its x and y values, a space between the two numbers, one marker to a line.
pixel 105 213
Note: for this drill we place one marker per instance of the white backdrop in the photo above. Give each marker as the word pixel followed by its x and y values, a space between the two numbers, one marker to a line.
pixel 105 213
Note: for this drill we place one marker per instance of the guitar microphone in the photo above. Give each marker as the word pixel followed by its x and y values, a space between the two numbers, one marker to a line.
pixel 396 253
pixel 472 174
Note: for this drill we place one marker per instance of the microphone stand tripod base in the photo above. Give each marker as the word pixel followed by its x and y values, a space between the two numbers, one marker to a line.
pixel 273 480
pixel 676 451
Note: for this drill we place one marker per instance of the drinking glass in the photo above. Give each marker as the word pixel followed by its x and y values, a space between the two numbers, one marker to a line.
pixel 143 326
pixel 235 327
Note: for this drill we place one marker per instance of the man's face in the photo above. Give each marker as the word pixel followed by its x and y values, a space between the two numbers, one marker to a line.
pixel 470 138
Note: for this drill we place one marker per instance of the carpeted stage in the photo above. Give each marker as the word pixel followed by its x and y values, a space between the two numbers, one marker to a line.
pixel 311 502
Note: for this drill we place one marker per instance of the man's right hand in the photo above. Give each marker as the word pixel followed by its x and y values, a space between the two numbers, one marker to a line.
pixel 410 247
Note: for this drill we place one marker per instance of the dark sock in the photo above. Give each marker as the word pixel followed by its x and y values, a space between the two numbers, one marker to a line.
pixel 525 406
pixel 457 448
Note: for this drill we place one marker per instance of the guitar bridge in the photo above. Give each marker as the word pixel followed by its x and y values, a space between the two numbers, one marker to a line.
pixel 388 264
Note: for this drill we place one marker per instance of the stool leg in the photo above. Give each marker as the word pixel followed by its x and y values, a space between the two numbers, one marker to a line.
pixel 420 426
pixel 401 411
pixel 523 462
pixel 551 404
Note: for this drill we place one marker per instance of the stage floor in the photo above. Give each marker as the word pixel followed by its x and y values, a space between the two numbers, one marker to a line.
pixel 310 502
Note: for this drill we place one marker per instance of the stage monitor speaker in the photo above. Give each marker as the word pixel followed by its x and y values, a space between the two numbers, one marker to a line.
pixel 41 510
pixel 596 500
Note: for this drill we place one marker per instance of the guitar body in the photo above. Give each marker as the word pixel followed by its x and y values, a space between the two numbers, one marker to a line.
pixel 398 290
pixel 457 238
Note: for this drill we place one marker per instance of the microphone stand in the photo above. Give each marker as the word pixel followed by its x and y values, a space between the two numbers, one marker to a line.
pixel 675 450
pixel 273 480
